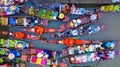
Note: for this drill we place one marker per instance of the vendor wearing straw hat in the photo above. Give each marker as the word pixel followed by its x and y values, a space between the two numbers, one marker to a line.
pixel 61 16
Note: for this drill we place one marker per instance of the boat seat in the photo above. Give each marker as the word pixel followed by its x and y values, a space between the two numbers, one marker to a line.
pixel 2 41
pixel 4 21
pixel 11 21
pixel 62 27
pixel 24 57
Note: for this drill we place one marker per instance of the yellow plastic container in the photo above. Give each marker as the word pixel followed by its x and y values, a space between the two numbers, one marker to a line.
pixel 39 60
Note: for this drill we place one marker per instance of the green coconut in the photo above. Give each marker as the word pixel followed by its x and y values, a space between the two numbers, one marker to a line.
pixel 2 51
pixel 1 60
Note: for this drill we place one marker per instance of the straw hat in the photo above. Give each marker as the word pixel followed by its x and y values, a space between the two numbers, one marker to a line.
pixel 61 16
pixel 71 24
pixel 19 45
pixel 11 56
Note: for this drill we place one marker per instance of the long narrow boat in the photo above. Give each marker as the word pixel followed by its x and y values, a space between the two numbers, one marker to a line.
pixel 72 9
pixel 37 29
pixel 68 8
pixel 82 20
pixel 40 30
pixel 13 65
pixel 16 44
pixel 45 14
pixel 93 47
pixel 11 2
pixel 22 21
pixel 79 31
pixel 68 41
pixel 91 56
pixel 20 35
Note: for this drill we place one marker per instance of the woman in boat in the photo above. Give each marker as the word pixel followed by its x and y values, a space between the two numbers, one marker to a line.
pixel 93 47
pixel 39 30
pixel 68 42
pixel 92 56
pixel 20 35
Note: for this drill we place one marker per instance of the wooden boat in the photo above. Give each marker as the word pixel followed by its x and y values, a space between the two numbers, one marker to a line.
pixel 16 44
pixel 11 2
pixel 79 31
pixel 67 8
pixel 38 30
pixel 20 35
pixel 13 65
pixel 93 47
pixel 91 57
pixel 45 57
pixel 22 21
pixel 82 20
pixel 68 42
pixel 72 9
pixel 45 14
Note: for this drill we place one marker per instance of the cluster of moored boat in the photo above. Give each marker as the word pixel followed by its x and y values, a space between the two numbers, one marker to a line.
pixel 14 53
